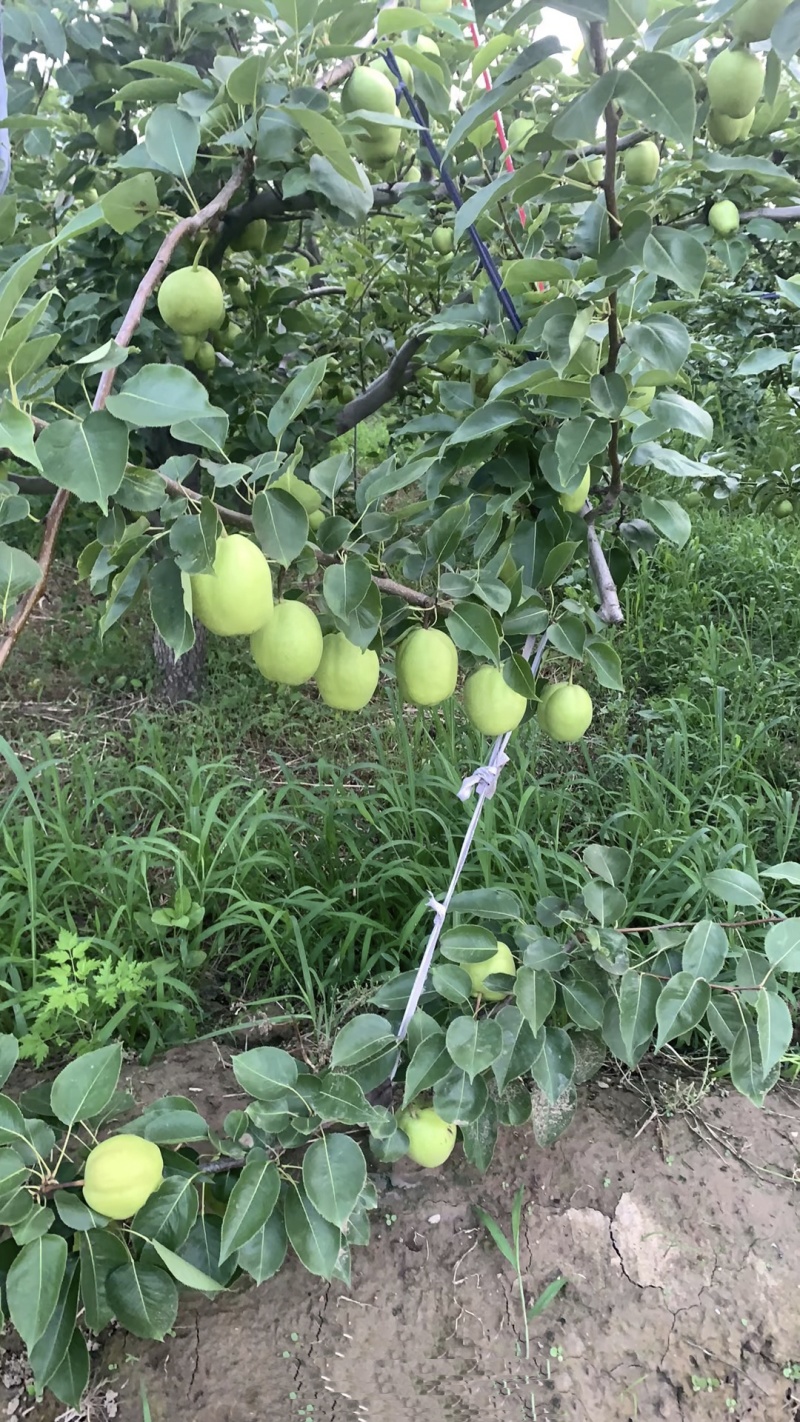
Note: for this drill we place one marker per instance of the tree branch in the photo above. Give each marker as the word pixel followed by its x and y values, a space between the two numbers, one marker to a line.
pixel 609 186
pixel 775 214
pixel 381 389
pixel 610 610
pixel 336 75
pixel 133 316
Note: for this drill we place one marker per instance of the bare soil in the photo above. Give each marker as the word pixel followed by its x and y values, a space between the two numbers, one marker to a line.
pixel 678 1234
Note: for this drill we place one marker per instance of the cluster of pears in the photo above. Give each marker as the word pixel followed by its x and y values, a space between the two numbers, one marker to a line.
pixel 288 646
pixel 735 84
pixel 192 303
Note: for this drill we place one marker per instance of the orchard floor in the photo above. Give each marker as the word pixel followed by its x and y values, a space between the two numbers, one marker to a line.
pixel 678 1234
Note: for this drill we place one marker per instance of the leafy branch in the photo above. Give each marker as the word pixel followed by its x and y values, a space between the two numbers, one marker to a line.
pixel 185 228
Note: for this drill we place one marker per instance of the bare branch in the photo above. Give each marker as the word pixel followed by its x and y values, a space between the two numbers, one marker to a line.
pixel 775 214
pixel 610 609
pixel 133 316
pixel 387 385
pixel 336 75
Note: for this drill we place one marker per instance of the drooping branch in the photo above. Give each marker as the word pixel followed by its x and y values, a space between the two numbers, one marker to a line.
pixel 382 389
pixel 336 75
pixel 186 227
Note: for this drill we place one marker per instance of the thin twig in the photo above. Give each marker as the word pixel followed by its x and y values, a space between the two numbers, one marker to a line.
pixel 610 610
pixel 689 923
pixel 133 316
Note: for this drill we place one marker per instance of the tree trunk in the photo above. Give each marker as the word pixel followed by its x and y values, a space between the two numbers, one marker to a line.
pixel 180 678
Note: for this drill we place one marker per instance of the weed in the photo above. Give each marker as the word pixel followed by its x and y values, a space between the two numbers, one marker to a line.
pixel 510 1250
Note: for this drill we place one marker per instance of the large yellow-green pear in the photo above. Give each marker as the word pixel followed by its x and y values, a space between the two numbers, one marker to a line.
pixel 236 599
pixel 106 135
pixel 433 7
pixel 427 667
pixel 346 676
pixel 724 130
pixel 306 494
pixel 724 218
pixel 191 301
pixel 566 714
pixel 289 647
pixel 426 45
pixel 120 1175
pixel 368 89
pixel 205 357
pixel 574 502
pixel 430 1139
pixel 381 143
pixel 735 82
pixel 641 163
pixel 491 704
pixel 406 72
pixel 500 962
pixel 754 20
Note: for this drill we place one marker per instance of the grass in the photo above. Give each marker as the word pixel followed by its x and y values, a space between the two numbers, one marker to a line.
pixel 259 849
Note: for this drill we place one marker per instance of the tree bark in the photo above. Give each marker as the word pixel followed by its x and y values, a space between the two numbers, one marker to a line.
pixel 180 679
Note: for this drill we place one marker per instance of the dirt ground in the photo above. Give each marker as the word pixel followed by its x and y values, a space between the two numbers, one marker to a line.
pixel 678 1235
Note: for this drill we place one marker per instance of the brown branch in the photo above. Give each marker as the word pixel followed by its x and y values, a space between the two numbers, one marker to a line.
pixel 336 75
pixel 133 316
pixel 689 923
pixel 388 384
pixel 610 610
pixel 776 214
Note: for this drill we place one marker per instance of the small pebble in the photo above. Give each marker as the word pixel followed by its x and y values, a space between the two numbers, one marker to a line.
pixel 434 1219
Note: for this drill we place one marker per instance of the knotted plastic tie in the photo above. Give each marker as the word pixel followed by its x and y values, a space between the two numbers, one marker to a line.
pixel 484 779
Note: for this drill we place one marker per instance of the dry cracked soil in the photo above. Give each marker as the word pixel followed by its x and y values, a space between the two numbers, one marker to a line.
pixel 678 1235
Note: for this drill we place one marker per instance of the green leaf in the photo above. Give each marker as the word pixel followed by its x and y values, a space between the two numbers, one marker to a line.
pixel 160 395
pixel 658 91
pixel 169 1213
pixel 479 1137
pixel 71 1378
pixel 244 79
pixel 734 887
pixel 495 902
pixel 14 1173
pixel 677 256
pixel 130 202
pixel 335 1096
pixel 296 397
pixel 474 1045
pixel 785 35
pixel 267 1073
pixel 88 456
pixel 605 903
pixel 18 573
pixel 473 629
pixel 638 995
pixel 171 139
pixel 520 1046
pixel 315 1241
pixel 85 1086
pixel 251 1202
pixel 705 950
pixel 334 1175
pixel 144 1299
pixel 490 419
pixel 584 1002
pixel 202 1250
pixel 607 862
pixel 263 1255
pixel 578 120
pixel 669 518
pixel 459 1100
pixel 681 1006
pixel 550 1119
pixel 170 604
pixel 577 442
pixel 568 636
pixel 429 1063
pixel 9 1054
pixel 660 340
pixel 782 945
pixel 48 1353
pixel 765 359
pixel 101 1252
pixel 497 1236
pixel 326 137
pixel 605 663
pixel 775 1028
pixel 185 1273
pixel 16 433
pixel 75 1213
pixel 281 525
pixel 535 994
pixel 554 1068
pixel 789 872
pixel 345 585
pixel 747 1069
pixel 367 1047
pixel 468 943
pixel 33 1284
